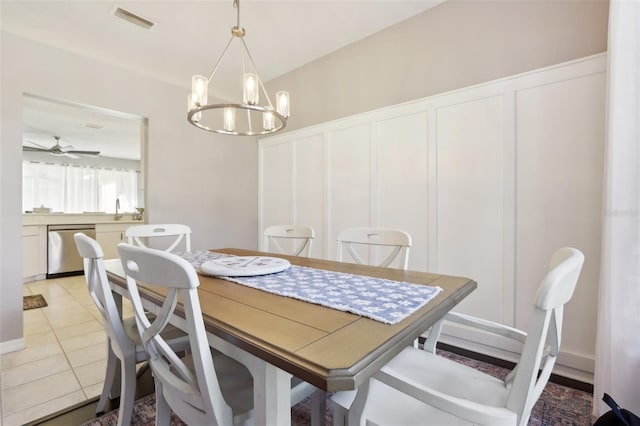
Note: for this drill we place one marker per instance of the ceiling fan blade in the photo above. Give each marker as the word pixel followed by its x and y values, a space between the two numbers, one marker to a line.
pixel 30 148
pixel 46 148
pixel 83 152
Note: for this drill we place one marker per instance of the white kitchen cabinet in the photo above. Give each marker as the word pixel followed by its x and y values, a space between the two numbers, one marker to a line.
pixel 34 237
pixel 109 235
pixel 489 181
pixel 34 253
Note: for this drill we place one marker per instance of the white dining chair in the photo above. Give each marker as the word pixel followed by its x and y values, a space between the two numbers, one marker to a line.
pixel 418 387
pixel 358 242
pixel 298 239
pixel 169 236
pixel 206 386
pixel 123 341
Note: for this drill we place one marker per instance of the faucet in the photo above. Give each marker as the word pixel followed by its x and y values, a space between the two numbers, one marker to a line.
pixel 118 216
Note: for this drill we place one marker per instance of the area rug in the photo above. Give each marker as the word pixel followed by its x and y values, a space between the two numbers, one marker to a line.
pixel 33 302
pixel 558 405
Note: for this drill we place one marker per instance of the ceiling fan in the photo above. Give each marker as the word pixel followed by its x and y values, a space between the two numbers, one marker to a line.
pixel 57 149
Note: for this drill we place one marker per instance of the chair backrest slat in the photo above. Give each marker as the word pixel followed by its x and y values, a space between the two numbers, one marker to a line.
pixel 173 234
pixel 397 241
pixel 298 239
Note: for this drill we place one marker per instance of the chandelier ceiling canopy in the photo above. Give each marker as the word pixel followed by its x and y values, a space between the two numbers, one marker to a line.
pixel 246 116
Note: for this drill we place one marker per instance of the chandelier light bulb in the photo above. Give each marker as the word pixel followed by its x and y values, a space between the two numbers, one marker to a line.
pixel 251 88
pixel 199 89
pixel 282 103
pixel 229 119
pixel 268 120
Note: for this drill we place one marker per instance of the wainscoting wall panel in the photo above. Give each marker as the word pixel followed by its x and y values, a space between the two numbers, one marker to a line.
pixel 309 188
pixel 560 170
pixel 489 181
pixel 470 209
pixel 402 181
pixel 350 177
pixel 278 188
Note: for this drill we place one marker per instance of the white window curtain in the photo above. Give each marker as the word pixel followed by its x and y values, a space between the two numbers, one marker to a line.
pixel 77 189
pixel 617 370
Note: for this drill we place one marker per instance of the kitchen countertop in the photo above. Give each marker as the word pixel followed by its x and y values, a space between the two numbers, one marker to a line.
pixel 35 219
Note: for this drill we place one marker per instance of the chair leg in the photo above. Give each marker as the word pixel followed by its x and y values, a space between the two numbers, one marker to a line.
pixel 318 408
pixel 163 411
pixel 112 363
pixel 127 391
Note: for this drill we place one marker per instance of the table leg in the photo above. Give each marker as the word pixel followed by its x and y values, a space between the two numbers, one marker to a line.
pixel 271 385
pixel 271 395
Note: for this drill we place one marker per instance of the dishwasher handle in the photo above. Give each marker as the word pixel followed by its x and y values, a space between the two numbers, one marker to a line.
pixel 71 227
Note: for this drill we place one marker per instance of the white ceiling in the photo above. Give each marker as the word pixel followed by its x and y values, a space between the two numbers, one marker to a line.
pixel 189 36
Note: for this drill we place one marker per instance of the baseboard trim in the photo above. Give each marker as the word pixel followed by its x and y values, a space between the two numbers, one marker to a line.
pixel 555 378
pixel 12 345
pixel 40 277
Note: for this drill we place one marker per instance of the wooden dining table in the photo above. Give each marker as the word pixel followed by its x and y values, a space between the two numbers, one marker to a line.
pixel 277 337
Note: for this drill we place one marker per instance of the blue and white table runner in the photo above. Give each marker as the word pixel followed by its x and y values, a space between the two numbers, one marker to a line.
pixel 383 300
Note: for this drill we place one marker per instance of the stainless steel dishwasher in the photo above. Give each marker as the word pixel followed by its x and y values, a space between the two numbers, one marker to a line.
pixel 62 255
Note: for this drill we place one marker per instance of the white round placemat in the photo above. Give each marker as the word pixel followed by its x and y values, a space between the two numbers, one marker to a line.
pixel 244 266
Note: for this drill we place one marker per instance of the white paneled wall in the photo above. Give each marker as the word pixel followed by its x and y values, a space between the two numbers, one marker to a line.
pixel 401 196
pixel 488 180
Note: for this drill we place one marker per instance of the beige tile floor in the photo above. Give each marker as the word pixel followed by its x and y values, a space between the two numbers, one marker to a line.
pixel 65 358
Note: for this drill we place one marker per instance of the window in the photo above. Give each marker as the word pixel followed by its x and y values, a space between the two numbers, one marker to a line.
pixel 76 189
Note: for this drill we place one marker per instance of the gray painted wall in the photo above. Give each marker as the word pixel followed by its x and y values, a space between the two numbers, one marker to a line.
pixel 456 44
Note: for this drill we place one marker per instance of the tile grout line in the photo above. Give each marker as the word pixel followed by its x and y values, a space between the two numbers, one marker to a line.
pixel 73 369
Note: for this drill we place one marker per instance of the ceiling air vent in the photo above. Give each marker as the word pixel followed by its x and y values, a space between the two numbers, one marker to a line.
pixel 93 126
pixel 133 18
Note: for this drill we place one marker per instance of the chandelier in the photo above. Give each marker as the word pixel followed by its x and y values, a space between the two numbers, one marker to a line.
pixel 241 118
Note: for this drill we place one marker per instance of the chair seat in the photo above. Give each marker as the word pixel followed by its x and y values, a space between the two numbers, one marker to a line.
pixel 236 382
pixel 436 372
pixel 448 376
pixel 398 408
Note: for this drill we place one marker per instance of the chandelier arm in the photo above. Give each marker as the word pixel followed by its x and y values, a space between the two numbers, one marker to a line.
pixel 281 120
pixel 244 68
pixel 256 68
pixel 224 52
